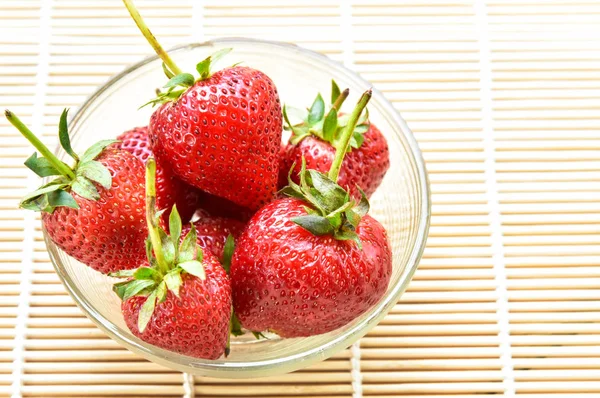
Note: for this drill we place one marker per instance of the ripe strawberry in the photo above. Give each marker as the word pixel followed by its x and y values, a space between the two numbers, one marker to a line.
pixel 311 263
pixel 179 299
pixel 94 211
pixel 295 283
pixel 221 132
pixel 317 137
pixel 213 231
pixel 170 190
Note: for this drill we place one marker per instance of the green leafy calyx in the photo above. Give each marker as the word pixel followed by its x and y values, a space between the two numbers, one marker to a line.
pixel 323 122
pixel 82 178
pixel 179 82
pixel 330 209
pixel 168 255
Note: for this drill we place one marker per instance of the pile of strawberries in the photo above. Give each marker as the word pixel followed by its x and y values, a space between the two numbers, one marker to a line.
pixel 211 223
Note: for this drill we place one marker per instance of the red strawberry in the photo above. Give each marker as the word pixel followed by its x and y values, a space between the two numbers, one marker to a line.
pixel 295 283
pixel 221 132
pixel 202 311
pixel 213 231
pixel 180 298
pixel 170 190
pixel 317 137
pixel 93 211
pixel 314 262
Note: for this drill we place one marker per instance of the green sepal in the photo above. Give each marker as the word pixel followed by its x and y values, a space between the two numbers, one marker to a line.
pixel 352 217
pixel 302 134
pixel 327 126
pixel 228 250
pixel 331 194
pixel 63 135
pixel 127 289
pixel 335 91
pixel 146 311
pixel 187 249
pixel 145 273
pixel 316 111
pixel 348 235
pixel 336 217
pixel 361 129
pixel 167 246
pixel 119 288
pixel 95 150
pixel 57 184
pixel 49 201
pixel 158 215
pixel 330 125
pixel 329 208
pixel 124 273
pixel 85 188
pixel 161 292
pixel 163 97
pixel 363 206
pixel 97 172
pixel 174 281
pixel 194 267
pixel 317 225
pixel 41 166
pixel 289 191
pixel 175 227
pixel 182 79
pixel 205 66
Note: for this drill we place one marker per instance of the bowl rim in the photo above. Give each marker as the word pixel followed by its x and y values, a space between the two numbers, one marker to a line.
pixel 286 363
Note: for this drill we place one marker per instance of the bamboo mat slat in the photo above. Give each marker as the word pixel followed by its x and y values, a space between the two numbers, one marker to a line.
pixel 504 99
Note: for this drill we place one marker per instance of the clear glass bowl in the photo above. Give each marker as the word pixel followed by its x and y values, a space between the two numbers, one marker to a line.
pixel 401 204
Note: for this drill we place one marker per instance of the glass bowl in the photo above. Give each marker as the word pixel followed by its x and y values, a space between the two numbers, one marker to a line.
pixel 401 204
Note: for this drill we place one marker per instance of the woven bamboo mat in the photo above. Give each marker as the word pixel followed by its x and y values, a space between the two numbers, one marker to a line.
pixel 504 98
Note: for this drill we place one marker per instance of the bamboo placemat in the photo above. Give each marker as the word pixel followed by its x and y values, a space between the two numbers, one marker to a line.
pixel 504 98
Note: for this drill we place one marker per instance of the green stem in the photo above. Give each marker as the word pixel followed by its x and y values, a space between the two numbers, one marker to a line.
pixel 151 219
pixel 39 145
pixel 340 99
pixel 342 148
pixel 139 21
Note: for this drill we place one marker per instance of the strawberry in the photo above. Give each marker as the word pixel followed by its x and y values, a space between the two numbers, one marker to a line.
pixel 212 231
pixel 317 137
pixel 311 263
pixel 93 211
pixel 220 132
pixel 170 190
pixel 286 279
pixel 178 299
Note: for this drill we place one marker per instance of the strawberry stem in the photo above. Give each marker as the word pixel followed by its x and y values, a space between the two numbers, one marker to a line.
pixel 342 148
pixel 340 99
pixel 151 218
pixel 139 21
pixel 39 145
